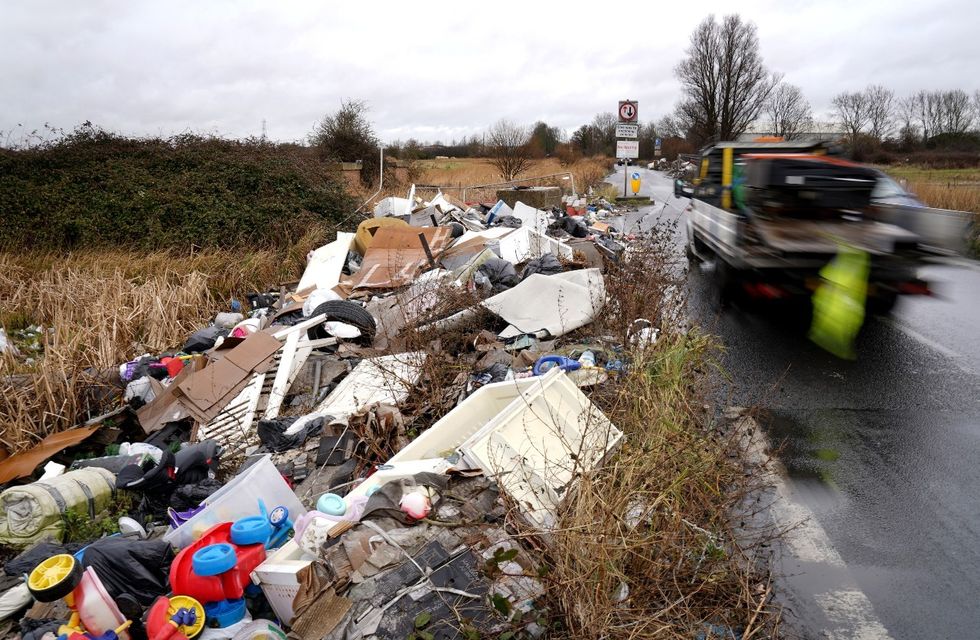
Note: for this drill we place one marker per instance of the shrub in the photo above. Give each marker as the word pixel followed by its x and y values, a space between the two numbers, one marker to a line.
pixel 93 188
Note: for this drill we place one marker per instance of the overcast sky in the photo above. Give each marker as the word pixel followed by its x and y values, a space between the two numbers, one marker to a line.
pixel 434 70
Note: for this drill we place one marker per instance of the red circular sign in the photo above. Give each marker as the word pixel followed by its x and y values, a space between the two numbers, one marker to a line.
pixel 627 111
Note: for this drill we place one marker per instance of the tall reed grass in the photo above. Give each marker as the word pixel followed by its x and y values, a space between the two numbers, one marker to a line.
pixel 100 308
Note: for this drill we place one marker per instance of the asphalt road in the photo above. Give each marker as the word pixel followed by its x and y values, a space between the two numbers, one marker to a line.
pixel 882 453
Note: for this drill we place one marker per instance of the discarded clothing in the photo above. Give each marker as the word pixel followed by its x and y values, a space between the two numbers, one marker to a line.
pixel 278 434
pixel 546 265
pixel 501 274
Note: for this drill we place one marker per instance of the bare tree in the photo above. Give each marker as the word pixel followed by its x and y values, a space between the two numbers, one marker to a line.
pixel 955 113
pixel 788 111
pixel 976 107
pixel 509 149
pixel 725 82
pixel 907 113
pixel 851 110
pixel 880 105
pixel 667 127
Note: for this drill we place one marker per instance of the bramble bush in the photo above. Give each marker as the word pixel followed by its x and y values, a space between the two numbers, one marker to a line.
pixel 92 188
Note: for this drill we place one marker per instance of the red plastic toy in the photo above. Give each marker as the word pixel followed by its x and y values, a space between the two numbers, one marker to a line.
pixel 227 585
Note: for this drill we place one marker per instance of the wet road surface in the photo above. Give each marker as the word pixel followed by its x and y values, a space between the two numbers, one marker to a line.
pixel 884 452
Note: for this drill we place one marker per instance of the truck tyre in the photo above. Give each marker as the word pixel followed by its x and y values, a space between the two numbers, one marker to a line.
pixel 883 304
pixel 344 311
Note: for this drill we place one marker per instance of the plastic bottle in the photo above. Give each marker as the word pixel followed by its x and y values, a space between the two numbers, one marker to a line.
pixel 587 359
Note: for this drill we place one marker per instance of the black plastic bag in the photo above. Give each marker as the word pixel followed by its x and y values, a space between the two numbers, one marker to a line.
pixel 272 432
pixel 137 567
pixel 30 558
pixel 203 339
pixel 546 265
pixel 508 221
pixel 190 496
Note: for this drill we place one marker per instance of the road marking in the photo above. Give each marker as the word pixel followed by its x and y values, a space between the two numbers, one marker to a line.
pixel 929 342
pixel 847 608
pixel 855 614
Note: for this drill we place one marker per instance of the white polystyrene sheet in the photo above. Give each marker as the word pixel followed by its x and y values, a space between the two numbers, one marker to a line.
pixel 326 263
pixel 488 234
pixel 392 206
pixel 440 201
pixel 558 304
pixel 386 379
pixel 534 218
pixel 527 244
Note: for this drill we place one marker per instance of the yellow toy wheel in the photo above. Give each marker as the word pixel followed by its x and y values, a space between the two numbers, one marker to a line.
pixel 54 578
pixel 188 603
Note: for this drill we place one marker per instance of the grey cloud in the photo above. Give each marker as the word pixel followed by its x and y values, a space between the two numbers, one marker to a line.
pixel 433 70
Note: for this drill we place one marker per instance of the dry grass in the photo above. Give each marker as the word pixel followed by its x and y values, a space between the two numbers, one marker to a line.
pixel 957 189
pixel 454 174
pixel 102 308
pixel 957 196
pixel 657 522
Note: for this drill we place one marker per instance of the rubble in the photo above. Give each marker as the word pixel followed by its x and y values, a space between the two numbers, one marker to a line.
pixel 313 488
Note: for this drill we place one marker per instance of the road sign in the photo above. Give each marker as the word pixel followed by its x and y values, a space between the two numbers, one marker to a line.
pixel 656 151
pixel 628 110
pixel 635 182
pixel 656 143
pixel 624 130
pixel 627 149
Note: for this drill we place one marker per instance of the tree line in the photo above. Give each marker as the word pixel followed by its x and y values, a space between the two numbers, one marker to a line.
pixel 726 91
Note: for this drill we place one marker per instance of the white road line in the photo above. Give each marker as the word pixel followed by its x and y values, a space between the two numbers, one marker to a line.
pixel 929 342
pixel 848 609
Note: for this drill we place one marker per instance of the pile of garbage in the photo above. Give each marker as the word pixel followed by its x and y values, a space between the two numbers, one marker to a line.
pixel 280 472
pixel 680 169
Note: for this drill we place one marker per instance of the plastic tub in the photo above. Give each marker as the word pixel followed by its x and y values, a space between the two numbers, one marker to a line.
pixel 238 499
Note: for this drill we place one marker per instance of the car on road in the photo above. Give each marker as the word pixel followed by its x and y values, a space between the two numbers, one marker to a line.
pixel 889 191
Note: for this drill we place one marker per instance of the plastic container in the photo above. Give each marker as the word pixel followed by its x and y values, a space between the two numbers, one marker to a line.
pixel 260 630
pixel 587 359
pixel 96 609
pixel 238 499
pixel 278 578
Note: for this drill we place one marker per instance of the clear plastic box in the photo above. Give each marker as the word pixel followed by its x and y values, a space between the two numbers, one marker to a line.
pixel 240 498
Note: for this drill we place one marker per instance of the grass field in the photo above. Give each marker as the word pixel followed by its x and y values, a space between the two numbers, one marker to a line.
pixel 456 173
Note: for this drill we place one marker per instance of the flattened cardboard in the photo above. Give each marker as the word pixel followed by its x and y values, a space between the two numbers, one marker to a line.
pixel 21 465
pixel 396 256
pixel 166 406
pixel 208 391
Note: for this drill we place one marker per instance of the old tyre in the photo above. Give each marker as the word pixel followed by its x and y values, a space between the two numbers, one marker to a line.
pixel 54 578
pixel 344 311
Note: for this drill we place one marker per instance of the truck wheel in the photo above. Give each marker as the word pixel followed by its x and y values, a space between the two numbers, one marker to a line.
pixel 691 256
pixel 882 304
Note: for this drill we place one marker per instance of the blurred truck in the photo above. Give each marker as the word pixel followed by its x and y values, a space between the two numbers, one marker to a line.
pixel 772 214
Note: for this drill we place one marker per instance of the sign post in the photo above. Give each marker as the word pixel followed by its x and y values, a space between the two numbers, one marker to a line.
pixel 628 127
